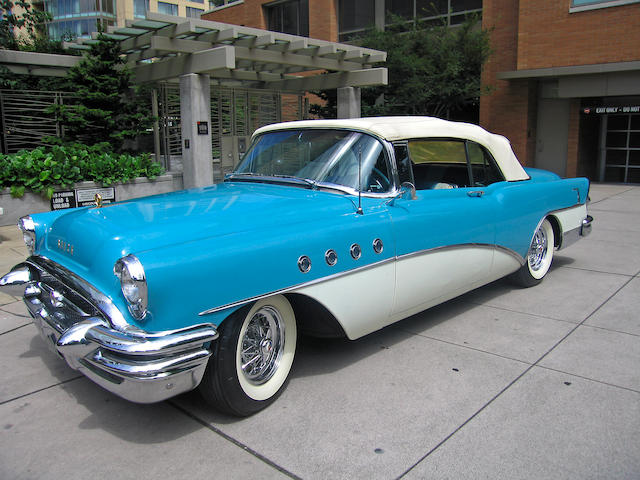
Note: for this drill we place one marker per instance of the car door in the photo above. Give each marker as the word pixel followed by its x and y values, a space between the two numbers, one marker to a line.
pixel 445 236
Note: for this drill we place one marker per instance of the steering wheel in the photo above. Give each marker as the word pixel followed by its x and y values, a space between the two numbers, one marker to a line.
pixel 378 181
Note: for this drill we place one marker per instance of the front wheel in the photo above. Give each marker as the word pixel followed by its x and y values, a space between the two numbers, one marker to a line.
pixel 252 357
pixel 539 257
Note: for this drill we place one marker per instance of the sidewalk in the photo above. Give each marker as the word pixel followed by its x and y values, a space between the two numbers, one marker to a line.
pixel 501 383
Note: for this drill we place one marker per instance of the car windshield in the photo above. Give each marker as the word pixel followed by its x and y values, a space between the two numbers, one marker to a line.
pixel 318 156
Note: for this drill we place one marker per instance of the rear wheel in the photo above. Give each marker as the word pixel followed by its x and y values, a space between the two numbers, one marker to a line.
pixel 539 257
pixel 252 357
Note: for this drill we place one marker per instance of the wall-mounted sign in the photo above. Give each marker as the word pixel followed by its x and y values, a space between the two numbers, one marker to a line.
pixel 62 200
pixel 87 196
pixel 81 197
pixel 203 128
pixel 611 110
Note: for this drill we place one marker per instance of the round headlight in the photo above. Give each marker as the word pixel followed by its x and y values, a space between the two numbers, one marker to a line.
pixel 28 228
pixel 133 284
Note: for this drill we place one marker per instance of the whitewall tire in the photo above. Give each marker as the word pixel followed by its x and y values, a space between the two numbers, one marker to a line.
pixel 539 257
pixel 252 358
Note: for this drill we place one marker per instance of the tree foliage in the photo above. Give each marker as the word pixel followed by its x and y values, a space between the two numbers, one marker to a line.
pixel 432 71
pixel 25 30
pixel 109 108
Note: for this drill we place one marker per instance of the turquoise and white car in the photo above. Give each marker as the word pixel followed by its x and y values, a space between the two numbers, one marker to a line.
pixel 327 228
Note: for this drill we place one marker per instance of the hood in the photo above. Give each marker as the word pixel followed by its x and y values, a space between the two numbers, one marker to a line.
pixel 84 236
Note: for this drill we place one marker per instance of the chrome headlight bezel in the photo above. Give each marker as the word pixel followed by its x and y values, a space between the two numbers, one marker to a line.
pixel 28 228
pixel 133 284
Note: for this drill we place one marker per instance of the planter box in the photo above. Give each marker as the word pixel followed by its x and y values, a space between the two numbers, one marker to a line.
pixel 14 208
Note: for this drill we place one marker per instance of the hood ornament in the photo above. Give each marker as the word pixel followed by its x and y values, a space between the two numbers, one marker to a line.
pixel 98 199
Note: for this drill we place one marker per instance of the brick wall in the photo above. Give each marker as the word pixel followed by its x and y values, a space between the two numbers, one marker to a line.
pixel 249 13
pixel 531 34
pixel 550 36
pixel 323 17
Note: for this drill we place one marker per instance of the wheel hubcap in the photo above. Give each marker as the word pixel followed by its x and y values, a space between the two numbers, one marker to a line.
pixel 262 345
pixel 538 250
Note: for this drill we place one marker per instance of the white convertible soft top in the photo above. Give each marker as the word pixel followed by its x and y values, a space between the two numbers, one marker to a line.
pixel 405 128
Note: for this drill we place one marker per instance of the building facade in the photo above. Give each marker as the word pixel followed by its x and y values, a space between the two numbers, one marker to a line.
pixel 566 77
pixel 79 18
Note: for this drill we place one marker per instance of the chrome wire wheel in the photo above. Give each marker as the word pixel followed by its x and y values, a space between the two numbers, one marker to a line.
pixel 265 348
pixel 538 250
pixel 540 253
pixel 262 345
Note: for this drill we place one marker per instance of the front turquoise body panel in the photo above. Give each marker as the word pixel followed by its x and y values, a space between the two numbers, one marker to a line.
pixel 210 247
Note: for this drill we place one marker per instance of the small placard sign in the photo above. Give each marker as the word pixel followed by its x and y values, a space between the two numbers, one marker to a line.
pixel 87 196
pixel 62 200
pixel 203 128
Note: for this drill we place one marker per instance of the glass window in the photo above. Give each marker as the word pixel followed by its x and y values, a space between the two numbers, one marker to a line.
pixel 439 164
pixel 167 8
pixel 324 156
pixel 140 8
pixel 289 17
pixel 483 166
pixel 194 12
pixel 356 14
pixel 587 4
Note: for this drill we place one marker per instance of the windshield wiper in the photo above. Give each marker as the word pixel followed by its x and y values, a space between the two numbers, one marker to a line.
pixel 255 177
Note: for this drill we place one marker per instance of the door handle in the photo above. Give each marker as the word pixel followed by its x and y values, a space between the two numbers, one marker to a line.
pixel 475 193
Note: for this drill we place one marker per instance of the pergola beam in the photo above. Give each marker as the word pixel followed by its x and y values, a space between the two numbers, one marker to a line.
pixel 358 78
pixel 200 62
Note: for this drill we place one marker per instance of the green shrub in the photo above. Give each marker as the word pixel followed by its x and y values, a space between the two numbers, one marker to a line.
pixel 46 167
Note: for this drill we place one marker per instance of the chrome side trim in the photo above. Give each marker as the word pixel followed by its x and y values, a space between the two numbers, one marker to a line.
pixel 14 282
pixel 282 291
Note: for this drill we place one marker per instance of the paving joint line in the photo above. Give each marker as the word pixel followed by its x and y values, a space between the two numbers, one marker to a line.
pixel 448 342
pixel 232 440
pixel 16 328
pixel 40 390
pixel 527 370
pixel 589 379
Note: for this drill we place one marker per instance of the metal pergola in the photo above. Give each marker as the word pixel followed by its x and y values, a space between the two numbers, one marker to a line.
pixel 164 47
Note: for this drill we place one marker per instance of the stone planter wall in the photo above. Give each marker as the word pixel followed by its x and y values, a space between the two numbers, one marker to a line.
pixel 14 208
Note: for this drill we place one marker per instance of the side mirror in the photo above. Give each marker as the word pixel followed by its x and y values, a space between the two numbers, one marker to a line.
pixel 407 192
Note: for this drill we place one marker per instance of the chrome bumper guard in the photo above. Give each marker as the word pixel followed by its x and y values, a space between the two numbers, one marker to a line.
pixel 136 365
pixel 585 229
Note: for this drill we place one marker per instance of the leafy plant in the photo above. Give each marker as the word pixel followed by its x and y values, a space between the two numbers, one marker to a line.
pixel 433 70
pixel 58 165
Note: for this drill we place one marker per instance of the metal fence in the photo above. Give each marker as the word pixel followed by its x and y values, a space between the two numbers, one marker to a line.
pixel 24 120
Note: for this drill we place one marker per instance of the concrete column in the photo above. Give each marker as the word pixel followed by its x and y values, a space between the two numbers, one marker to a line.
pixel 349 102
pixel 195 108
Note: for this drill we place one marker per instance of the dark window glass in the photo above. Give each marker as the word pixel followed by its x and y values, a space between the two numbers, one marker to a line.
pixel 633 175
pixel 618 122
pixel 401 8
pixel 403 163
pixel 634 140
pixel 194 12
pixel 616 157
pixel 289 17
pixel 614 174
pixel 356 14
pixel 483 166
pixel 616 139
pixel 167 8
pixel 465 5
pixel 140 8
pixel 635 122
pixel 634 157
pixel 431 8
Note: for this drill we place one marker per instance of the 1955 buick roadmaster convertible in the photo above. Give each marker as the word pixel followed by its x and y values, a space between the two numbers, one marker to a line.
pixel 327 227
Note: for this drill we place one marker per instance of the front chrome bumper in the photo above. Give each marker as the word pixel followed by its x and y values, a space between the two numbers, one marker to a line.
pixel 136 365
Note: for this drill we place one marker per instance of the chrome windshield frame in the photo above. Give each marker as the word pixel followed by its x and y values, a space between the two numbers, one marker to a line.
pixel 317 185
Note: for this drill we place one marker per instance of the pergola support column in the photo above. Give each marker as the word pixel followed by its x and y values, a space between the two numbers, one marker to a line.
pixel 195 117
pixel 349 102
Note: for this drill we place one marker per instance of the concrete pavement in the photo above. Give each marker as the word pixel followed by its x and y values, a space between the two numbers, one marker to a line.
pixel 500 383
